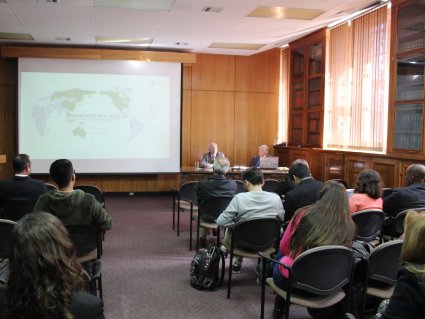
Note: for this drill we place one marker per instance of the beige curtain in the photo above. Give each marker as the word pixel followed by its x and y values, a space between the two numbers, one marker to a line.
pixel 356 98
pixel 284 95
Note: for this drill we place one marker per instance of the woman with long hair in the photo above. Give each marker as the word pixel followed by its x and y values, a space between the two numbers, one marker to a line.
pixel 368 191
pixel 408 299
pixel 327 222
pixel 46 279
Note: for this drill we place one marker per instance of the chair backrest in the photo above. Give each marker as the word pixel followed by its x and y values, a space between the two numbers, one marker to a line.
pixel 369 224
pixel 187 192
pixel 270 185
pixel 6 227
pixel 322 270
pixel 16 208
pixel 94 190
pixel 211 208
pixel 85 238
pixel 256 234
pixel 240 186
pixel 386 192
pixel 384 262
pixel 398 229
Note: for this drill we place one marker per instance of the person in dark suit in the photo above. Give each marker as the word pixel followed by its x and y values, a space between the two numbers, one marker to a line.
pixel 262 152
pixel 411 196
pixel 207 159
pixel 305 192
pixel 21 186
pixel 215 186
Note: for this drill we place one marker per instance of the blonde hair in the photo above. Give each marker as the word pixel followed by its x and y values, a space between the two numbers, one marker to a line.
pixel 413 250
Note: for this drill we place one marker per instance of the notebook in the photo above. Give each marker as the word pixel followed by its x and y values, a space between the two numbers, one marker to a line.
pixel 271 162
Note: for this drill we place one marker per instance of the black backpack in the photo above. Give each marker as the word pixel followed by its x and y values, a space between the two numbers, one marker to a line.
pixel 204 269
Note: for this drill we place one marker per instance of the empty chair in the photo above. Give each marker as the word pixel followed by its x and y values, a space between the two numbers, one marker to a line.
pixel 250 237
pixel 16 208
pixel 88 245
pixel 324 273
pixel 271 185
pixel 184 198
pixel 208 212
pixel 95 191
pixel 369 224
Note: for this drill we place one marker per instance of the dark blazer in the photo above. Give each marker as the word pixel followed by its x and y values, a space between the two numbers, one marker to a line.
pixel 305 193
pixel 85 306
pixel 408 299
pixel 23 187
pixel 412 196
pixel 207 159
pixel 255 161
pixel 215 186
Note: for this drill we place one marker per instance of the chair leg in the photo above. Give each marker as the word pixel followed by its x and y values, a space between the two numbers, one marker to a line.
pixel 218 237
pixel 263 288
pixel 190 226
pixel 230 274
pixel 100 286
pixel 174 211
pixel 178 217
pixel 198 225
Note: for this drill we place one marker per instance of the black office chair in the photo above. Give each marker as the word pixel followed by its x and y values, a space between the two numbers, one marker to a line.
pixel 369 225
pixel 383 266
pixel 16 208
pixel 95 191
pixel 185 198
pixel 251 237
pixel 323 272
pixel 271 185
pixel 6 227
pixel 87 240
pixel 208 212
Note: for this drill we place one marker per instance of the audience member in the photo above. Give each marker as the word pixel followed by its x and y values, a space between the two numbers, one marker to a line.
pixel 46 279
pixel 327 222
pixel 21 185
pixel 207 159
pixel 215 186
pixel 287 184
pixel 262 152
pixel 408 299
pixel 411 196
pixel 71 206
pixel 251 204
pixel 368 191
pixel 306 189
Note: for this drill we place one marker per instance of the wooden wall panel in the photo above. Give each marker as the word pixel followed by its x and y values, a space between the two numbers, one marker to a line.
pixel 186 128
pixel 388 169
pixel 253 126
pixel 259 72
pixel 334 166
pixel 214 73
pixel 212 120
pixel 353 166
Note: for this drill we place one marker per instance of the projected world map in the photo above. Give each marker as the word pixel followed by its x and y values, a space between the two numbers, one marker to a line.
pixel 80 118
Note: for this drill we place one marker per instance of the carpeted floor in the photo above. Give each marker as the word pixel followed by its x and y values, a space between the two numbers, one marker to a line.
pixel 146 269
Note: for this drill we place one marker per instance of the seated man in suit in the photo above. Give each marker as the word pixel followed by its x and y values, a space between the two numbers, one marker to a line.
pixel 306 190
pixel 207 160
pixel 251 204
pixel 215 186
pixel 287 184
pixel 21 185
pixel 72 207
pixel 410 196
pixel 262 152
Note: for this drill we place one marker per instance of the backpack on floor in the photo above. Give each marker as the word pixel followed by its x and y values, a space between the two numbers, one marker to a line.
pixel 204 269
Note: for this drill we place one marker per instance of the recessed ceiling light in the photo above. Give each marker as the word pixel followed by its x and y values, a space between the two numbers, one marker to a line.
pixel 162 5
pixel 236 46
pixel 15 36
pixel 124 40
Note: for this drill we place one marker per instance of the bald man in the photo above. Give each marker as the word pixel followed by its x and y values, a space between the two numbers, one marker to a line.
pixel 207 160
pixel 411 196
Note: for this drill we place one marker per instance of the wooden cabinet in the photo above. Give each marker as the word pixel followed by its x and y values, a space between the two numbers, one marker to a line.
pixel 307 90
pixel 406 116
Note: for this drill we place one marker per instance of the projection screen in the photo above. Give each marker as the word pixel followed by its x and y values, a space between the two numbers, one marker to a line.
pixel 105 116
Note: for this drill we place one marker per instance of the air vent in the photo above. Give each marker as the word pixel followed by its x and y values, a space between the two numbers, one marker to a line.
pixel 212 9
pixel 50 1
pixel 63 39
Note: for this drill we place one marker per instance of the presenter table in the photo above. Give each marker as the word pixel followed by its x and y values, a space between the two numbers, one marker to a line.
pixel 196 174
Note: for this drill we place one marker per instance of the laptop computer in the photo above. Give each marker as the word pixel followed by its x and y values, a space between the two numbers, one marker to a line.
pixel 271 162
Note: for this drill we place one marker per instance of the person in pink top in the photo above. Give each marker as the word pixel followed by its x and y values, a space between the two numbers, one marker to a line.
pixel 327 222
pixel 368 192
